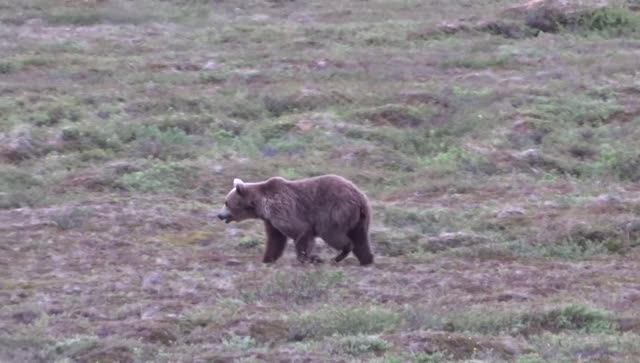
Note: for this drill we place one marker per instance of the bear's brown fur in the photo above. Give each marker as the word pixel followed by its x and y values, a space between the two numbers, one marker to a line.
pixel 328 206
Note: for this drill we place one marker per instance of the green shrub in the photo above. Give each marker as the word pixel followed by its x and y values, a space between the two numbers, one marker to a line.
pixel 578 109
pixel 86 137
pixel 344 321
pixel 7 67
pixel 56 114
pixel 571 318
pixel 577 246
pixel 437 357
pixel 19 188
pixel 241 343
pixel 359 344
pixel 73 347
pixel 609 21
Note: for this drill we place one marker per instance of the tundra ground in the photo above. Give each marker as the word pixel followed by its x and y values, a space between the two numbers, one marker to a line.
pixel 498 142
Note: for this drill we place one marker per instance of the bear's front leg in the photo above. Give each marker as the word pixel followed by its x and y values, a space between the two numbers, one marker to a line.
pixel 304 248
pixel 276 242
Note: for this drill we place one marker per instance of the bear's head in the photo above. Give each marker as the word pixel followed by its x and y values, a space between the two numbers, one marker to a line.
pixel 240 203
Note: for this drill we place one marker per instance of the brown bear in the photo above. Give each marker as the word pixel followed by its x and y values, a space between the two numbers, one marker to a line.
pixel 327 206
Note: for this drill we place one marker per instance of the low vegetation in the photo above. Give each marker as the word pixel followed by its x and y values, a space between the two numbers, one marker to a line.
pixel 496 140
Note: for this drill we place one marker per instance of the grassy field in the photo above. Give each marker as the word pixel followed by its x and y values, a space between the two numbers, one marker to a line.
pixel 498 142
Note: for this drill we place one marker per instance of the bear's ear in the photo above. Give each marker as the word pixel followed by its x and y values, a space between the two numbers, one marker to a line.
pixel 239 185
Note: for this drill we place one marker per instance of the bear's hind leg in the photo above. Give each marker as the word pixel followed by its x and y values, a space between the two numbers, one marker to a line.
pixel 340 242
pixel 343 254
pixel 361 248
pixel 276 242
pixel 304 248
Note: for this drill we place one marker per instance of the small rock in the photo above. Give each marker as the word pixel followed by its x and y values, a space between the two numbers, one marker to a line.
pixel 150 312
pixel 153 281
pixel 511 213
pixel 530 156
pixel 321 63
pixel 260 17
pixel 210 65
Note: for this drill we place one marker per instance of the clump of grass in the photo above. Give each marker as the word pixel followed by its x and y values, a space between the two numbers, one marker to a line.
pixel 296 288
pixel 25 347
pixel 419 318
pixel 567 249
pixel 249 243
pixel 7 67
pixel 225 310
pixel 359 344
pixel 87 138
pixel 416 143
pixel 478 62
pixel 276 130
pixel 568 318
pixel 566 346
pixel 423 221
pixel 213 77
pixel 114 12
pixel 19 188
pixel 171 177
pixel 56 111
pixel 344 321
pixel 612 21
pixel 74 346
pixel 399 115
pixel 531 358
pixel 608 21
pixel 624 165
pixel 576 109
pixel 70 219
pixel 238 342
pixel 171 143
pixel 436 357
pixel 397 244
pixel 577 245
pixel 245 108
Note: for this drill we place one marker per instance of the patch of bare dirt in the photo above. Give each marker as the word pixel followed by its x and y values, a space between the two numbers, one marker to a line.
pixel 460 346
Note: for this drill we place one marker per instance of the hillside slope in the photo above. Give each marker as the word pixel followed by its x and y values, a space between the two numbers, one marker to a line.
pixel 497 141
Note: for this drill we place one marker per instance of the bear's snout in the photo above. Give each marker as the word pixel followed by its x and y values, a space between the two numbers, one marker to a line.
pixel 225 216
